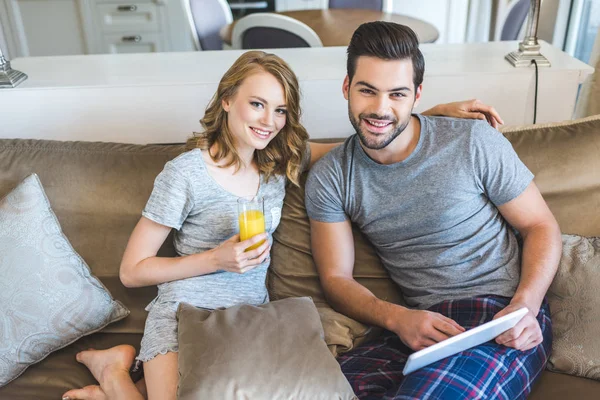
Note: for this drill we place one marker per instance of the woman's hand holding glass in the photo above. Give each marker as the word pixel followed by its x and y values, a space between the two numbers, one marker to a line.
pixel 231 255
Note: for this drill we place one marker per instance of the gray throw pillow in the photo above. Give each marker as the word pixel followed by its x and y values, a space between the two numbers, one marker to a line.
pixel 48 296
pixel 273 351
pixel 575 308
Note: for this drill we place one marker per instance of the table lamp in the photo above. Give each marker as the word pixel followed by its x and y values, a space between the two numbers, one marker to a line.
pixel 529 48
pixel 9 78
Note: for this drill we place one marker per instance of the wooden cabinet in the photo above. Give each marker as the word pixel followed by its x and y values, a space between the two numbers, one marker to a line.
pixel 66 27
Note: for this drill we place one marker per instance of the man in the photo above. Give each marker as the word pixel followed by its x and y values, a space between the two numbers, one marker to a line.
pixel 438 198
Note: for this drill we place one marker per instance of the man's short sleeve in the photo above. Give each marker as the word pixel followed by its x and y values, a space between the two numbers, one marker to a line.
pixel 324 192
pixel 171 200
pixel 500 173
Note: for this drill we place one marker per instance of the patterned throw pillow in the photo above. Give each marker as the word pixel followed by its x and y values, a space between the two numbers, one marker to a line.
pixel 575 308
pixel 48 296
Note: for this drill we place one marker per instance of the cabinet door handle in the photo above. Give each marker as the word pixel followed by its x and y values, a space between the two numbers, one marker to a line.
pixel 136 38
pixel 127 8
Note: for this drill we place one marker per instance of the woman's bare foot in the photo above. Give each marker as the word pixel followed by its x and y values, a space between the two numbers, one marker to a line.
pixel 103 364
pixel 92 392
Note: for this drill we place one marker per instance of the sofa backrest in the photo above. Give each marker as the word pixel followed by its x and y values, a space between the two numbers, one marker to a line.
pixel 565 159
pixel 98 191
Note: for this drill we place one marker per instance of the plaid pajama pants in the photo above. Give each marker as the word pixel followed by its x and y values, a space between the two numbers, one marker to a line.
pixel 488 371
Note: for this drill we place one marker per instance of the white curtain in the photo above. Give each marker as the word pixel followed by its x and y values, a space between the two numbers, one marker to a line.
pixel 3 45
pixel 589 97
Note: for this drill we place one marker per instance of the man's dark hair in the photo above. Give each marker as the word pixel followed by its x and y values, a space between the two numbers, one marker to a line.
pixel 387 41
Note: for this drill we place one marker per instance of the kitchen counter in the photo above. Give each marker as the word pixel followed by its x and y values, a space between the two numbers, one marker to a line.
pixel 159 97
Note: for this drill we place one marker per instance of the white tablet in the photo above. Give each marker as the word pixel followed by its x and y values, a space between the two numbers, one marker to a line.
pixel 466 340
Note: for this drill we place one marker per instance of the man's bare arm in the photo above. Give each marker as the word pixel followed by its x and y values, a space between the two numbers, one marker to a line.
pixel 542 244
pixel 542 247
pixel 333 251
pixel 472 109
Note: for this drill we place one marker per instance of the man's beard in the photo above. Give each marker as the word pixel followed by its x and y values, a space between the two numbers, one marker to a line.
pixel 387 139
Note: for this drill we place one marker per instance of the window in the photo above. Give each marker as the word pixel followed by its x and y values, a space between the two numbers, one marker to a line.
pixel 583 28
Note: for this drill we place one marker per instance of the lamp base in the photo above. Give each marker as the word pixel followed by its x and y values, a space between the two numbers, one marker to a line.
pixel 522 59
pixel 11 78
pixel 529 50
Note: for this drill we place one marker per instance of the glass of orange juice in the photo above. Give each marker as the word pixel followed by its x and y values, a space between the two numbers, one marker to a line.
pixel 251 217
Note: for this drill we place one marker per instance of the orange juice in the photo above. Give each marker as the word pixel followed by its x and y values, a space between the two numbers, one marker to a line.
pixel 252 222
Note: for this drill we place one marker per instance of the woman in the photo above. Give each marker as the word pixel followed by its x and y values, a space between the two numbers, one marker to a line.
pixel 252 144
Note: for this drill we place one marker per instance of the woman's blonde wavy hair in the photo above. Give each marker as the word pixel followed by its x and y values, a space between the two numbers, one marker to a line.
pixel 283 155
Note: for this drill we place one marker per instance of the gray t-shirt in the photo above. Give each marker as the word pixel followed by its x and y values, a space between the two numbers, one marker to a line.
pixel 432 218
pixel 186 198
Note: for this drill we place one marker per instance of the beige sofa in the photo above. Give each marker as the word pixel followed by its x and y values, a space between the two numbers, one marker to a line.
pixel 98 190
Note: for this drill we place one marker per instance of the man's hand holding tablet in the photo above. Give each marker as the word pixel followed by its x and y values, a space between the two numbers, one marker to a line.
pixel 465 340
pixel 526 334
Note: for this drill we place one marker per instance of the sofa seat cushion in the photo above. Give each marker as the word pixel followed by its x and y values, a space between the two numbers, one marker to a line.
pixel 554 386
pixel 59 372
pixel 135 299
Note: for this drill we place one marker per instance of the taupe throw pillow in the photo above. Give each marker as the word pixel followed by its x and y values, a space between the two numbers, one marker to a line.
pixel 48 297
pixel 273 351
pixel 575 307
